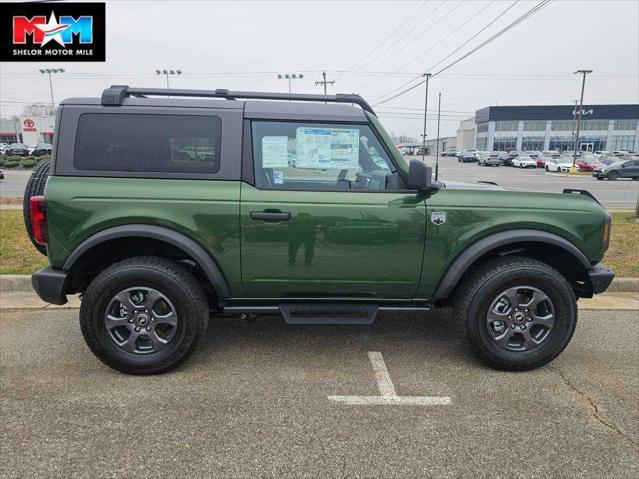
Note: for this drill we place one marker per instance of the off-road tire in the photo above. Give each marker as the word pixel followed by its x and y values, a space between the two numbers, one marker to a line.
pixel 35 187
pixel 478 290
pixel 171 279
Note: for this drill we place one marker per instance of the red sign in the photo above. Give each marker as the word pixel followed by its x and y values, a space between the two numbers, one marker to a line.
pixel 29 125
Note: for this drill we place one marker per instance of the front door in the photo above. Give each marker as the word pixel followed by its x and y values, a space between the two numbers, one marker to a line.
pixel 328 216
pixel 587 146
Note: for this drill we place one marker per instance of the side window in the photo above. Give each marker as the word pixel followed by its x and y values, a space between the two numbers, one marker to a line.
pixel 148 143
pixel 314 156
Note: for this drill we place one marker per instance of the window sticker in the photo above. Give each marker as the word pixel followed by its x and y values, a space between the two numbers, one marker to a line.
pixel 275 152
pixel 278 177
pixel 327 148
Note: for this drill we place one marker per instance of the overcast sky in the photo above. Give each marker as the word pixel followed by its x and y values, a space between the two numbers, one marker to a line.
pixel 367 47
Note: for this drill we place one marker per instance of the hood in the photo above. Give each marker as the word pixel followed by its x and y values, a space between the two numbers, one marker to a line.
pixel 458 185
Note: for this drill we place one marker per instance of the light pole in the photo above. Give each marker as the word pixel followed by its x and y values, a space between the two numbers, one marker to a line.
pixel 167 73
pixel 289 77
pixel 49 71
pixel 581 106
pixel 427 75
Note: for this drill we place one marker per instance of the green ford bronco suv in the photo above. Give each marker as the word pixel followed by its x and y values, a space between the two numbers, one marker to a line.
pixel 165 208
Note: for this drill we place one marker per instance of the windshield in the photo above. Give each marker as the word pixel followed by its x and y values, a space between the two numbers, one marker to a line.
pixel 18 145
pixel 397 156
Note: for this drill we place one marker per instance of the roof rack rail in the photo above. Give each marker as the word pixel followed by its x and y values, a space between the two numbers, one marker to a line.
pixel 115 94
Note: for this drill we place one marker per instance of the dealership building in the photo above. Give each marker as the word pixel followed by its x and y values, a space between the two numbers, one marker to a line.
pixel 30 130
pixel 603 127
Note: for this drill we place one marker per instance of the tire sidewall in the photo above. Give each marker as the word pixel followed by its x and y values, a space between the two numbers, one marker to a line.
pixel 561 296
pixel 100 294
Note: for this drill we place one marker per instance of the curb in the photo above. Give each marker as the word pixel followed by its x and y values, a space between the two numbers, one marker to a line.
pixel 15 282
pixel 22 283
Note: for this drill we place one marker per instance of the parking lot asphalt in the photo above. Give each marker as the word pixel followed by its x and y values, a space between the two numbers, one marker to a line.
pixel 620 194
pixel 253 402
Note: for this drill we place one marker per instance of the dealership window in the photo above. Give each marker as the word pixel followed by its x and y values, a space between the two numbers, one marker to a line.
pixel 623 142
pixel 594 125
pixel 8 139
pixel 535 125
pixel 561 143
pixel 505 143
pixel 481 143
pixel 563 125
pixel 320 156
pixel 148 143
pixel 506 125
pixel 532 143
pixel 482 127
pixel 625 124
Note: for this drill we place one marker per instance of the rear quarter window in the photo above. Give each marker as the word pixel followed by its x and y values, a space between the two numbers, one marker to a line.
pixel 148 143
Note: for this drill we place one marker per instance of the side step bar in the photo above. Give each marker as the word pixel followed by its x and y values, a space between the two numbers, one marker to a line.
pixel 326 313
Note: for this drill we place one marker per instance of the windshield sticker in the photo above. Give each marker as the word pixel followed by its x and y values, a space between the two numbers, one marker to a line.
pixel 275 152
pixel 327 148
pixel 278 177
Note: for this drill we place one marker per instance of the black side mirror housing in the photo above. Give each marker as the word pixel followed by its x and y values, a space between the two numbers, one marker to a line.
pixel 420 177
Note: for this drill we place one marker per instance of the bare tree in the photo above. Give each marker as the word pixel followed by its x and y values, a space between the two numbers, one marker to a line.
pixel 37 110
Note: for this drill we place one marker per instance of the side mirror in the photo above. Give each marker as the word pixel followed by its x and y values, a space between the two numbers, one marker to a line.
pixel 420 177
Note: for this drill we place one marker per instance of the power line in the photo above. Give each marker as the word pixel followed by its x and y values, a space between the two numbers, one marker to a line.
pixel 481 10
pixel 471 38
pixel 388 37
pixel 418 37
pixel 386 49
pixel 516 22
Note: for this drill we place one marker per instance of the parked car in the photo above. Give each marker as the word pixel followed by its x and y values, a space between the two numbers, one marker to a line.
pixel 1 175
pixel 450 152
pixel 523 161
pixel 534 154
pixel 42 149
pixel 541 161
pixel 619 153
pixel 3 147
pixel 18 149
pixel 492 159
pixel 588 162
pixel 558 164
pixel 468 156
pixel 157 258
pixel 508 161
pixel 601 154
pixel 620 169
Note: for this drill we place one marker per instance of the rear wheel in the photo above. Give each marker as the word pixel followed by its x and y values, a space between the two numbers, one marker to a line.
pixel 35 187
pixel 519 313
pixel 143 315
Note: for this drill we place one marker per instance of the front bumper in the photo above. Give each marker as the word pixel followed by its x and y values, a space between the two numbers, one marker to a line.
pixel 49 285
pixel 598 174
pixel 600 278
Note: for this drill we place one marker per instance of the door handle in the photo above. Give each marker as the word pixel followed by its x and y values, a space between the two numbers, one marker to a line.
pixel 270 215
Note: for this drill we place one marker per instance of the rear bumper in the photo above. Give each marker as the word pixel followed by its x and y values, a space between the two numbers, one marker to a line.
pixel 600 278
pixel 49 285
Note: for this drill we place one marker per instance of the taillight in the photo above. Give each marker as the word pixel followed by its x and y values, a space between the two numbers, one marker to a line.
pixel 606 233
pixel 38 210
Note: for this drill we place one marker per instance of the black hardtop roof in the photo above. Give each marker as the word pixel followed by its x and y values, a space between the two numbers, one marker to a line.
pixel 116 93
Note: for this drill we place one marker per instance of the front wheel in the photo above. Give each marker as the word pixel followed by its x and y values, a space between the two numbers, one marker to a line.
pixel 519 313
pixel 613 175
pixel 143 315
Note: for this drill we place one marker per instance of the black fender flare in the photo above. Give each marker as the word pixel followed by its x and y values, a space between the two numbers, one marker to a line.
pixel 488 243
pixel 179 240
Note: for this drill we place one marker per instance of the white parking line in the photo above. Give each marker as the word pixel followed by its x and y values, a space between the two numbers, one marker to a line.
pixel 388 396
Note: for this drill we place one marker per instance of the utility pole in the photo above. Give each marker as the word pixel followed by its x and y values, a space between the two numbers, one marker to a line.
pixel 439 109
pixel 427 75
pixel 289 77
pixel 324 82
pixel 49 71
pixel 581 106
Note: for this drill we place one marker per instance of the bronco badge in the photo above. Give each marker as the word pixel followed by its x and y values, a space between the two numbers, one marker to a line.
pixel 438 217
